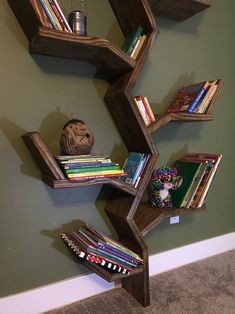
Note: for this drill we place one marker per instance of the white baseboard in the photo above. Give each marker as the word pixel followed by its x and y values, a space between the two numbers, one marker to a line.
pixel 68 291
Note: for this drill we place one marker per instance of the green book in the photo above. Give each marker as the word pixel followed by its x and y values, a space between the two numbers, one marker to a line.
pixel 132 39
pixel 188 171
pixel 92 169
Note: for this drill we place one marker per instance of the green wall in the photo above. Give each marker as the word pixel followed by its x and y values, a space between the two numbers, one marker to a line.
pixel 39 93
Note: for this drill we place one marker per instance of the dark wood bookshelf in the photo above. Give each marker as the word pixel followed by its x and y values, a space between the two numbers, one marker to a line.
pixel 131 218
pixel 108 275
pixel 178 10
pixel 148 217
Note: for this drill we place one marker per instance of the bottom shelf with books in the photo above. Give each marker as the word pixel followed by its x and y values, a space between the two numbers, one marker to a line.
pixel 148 217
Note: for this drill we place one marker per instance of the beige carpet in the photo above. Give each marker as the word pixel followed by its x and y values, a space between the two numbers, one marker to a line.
pixel 204 287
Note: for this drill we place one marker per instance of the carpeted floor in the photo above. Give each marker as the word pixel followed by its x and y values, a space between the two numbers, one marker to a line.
pixel 204 287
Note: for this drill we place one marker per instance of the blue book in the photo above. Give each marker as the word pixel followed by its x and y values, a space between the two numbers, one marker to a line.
pixel 202 90
pixel 131 167
pixel 48 13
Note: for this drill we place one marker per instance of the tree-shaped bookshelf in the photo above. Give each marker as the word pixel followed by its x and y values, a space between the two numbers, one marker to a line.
pixel 131 218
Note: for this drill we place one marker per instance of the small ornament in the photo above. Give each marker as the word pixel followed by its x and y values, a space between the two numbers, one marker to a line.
pixel 76 138
pixel 163 180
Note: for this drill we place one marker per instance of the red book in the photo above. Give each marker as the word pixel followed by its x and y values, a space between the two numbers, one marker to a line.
pixel 189 97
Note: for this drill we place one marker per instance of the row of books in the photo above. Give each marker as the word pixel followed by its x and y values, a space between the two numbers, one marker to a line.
pixel 194 98
pixel 55 15
pixel 97 247
pixel 145 109
pixel 134 167
pixel 84 167
pixel 134 42
pixel 197 171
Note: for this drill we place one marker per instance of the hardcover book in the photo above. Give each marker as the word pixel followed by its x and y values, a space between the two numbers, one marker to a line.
pixel 213 161
pixel 188 171
pixel 132 39
pixel 189 97
pixel 131 166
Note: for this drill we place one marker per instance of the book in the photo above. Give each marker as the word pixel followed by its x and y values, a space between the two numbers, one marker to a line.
pixel 82 254
pixel 51 14
pixel 113 243
pixel 147 106
pixel 202 89
pixel 138 46
pixel 118 172
pixel 60 15
pixel 132 39
pixel 92 169
pixel 42 16
pixel 213 161
pixel 47 10
pixel 194 185
pixel 188 171
pixel 187 98
pixel 208 97
pixel 131 167
pixel 142 110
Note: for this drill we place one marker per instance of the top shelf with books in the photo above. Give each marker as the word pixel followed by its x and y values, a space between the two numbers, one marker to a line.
pixel 184 115
pixel 106 56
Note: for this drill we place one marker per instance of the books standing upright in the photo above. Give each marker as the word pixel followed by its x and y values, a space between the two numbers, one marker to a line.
pixel 189 97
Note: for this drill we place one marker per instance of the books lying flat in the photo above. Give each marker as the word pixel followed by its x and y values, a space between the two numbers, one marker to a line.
pixel 85 167
pixel 72 244
pixel 98 247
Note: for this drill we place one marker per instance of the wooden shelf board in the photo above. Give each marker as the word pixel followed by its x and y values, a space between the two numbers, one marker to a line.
pixel 60 184
pixel 147 217
pixel 178 10
pixel 107 57
pixel 163 119
pixel 108 275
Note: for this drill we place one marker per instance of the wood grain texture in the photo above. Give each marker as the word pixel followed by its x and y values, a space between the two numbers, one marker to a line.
pixel 65 183
pixel 43 156
pixel 130 218
pixel 148 217
pixel 178 10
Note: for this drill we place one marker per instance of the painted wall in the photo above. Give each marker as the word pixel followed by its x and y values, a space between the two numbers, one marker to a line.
pixel 39 93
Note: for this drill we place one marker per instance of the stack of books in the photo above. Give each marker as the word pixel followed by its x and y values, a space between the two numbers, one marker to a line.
pixel 145 109
pixel 96 247
pixel 134 42
pixel 55 15
pixel 194 98
pixel 85 167
pixel 134 167
pixel 197 171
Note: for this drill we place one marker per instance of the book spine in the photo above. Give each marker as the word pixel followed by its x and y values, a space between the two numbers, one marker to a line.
pixel 88 169
pixel 92 258
pixel 91 249
pixel 142 111
pixel 135 54
pixel 63 16
pixel 196 182
pixel 98 176
pixel 57 15
pixel 199 98
pixel 103 172
pixel 48 13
